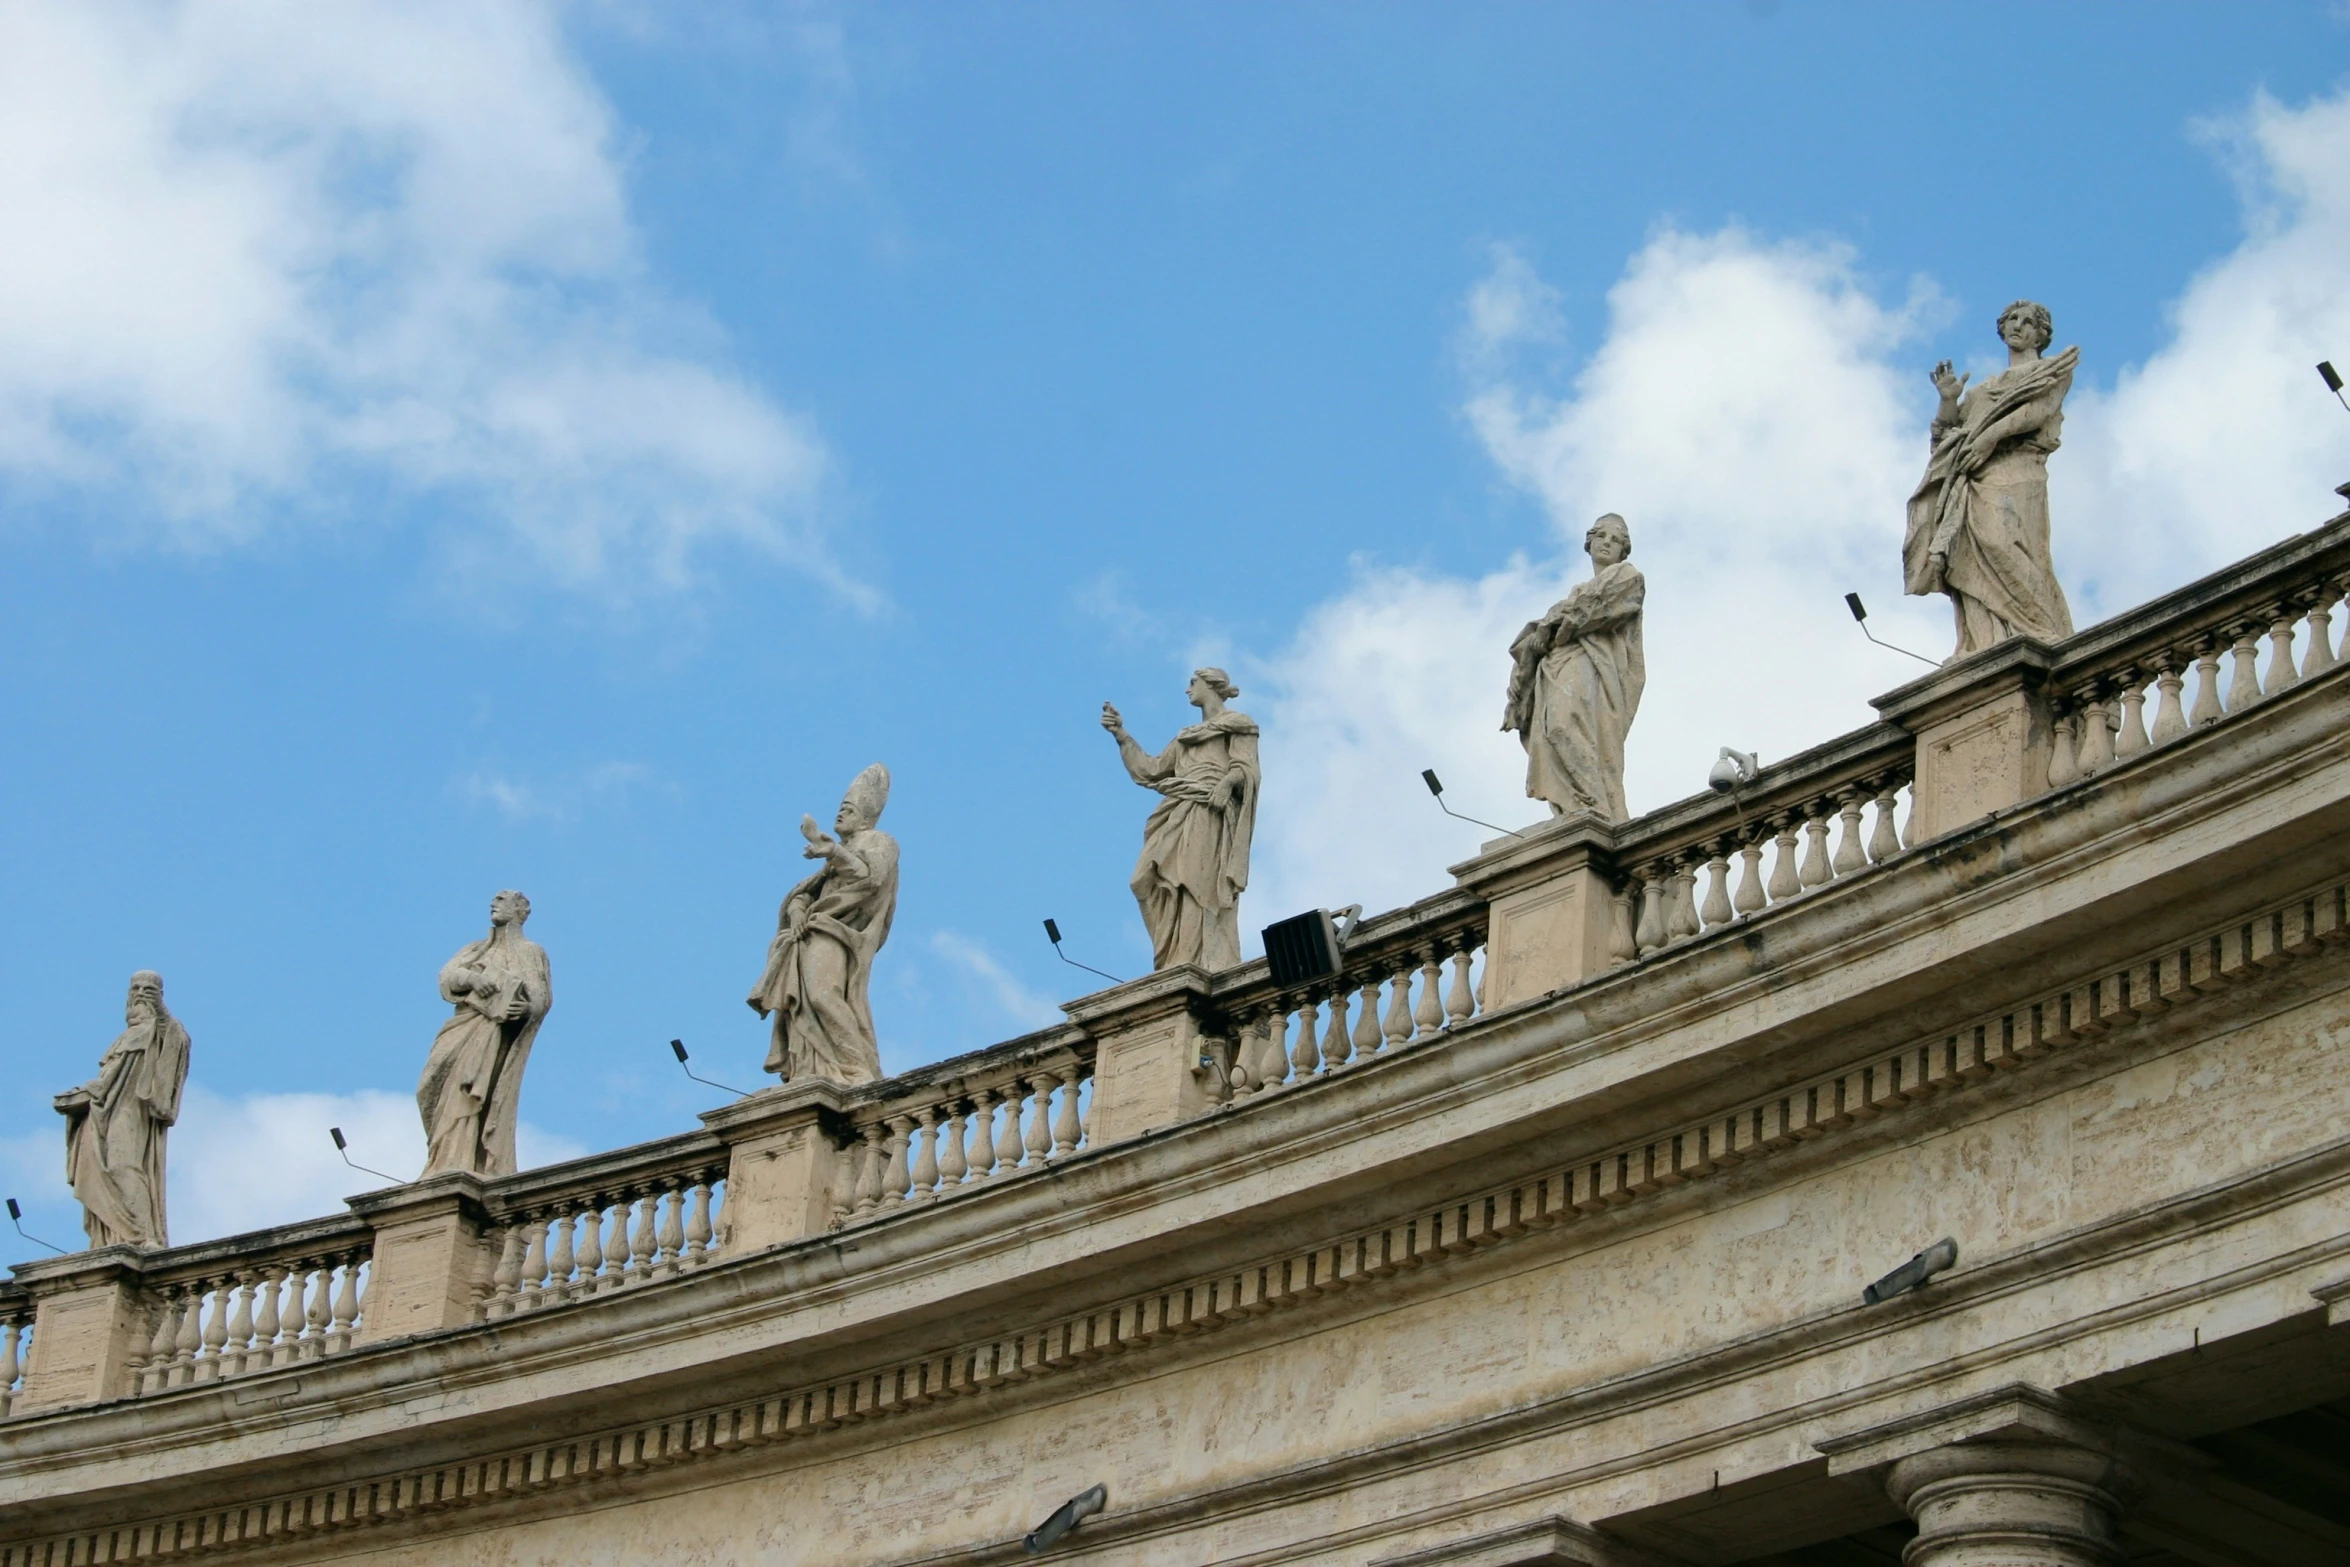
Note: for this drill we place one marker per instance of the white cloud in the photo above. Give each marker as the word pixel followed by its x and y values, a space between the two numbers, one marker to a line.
pixel 560 800
pixel 256 260
pixel 985 975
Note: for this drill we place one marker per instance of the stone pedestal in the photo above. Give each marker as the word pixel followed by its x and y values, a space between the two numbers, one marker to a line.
pixel 1148 1069
pixel 782 1163
pixel 1550 897
pixel 1983 734
pixel 89 1324
pixel 431 1263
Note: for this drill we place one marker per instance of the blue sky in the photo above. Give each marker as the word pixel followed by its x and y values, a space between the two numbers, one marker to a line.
pixel 448 448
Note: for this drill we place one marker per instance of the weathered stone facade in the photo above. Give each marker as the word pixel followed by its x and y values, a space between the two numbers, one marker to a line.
pixel 1566 1271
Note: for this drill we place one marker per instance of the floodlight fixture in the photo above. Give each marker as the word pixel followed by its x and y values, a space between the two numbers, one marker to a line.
pixel 1436 788
pixel 678 1046
pixel 1942 1255
pixel 344 1149
pixel 1052 933
pixel 2333 381
pixel 16 1217
pixel 1860 615
pixel 1065 1517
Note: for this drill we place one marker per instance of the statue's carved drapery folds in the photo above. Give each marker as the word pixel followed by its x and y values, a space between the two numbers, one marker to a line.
pixel 115 1123
pixel 1978 522
pixel 818 983
pixel 1194 863
pixel 472 1087
pixel 1575 681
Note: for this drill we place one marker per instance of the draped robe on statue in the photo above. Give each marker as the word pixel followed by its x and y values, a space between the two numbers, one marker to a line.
pixel 1194 863
pixel 819 978
pixel 1575 682
pixel 471 1092
pixel 1983 505
pixel 114 1133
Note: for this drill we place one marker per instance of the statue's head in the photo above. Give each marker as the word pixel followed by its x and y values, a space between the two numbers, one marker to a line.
pixel 2027 327
pixel 1608 541
pixel 1210 682
pixel 861 807
pixel 146 998
pixel 509 908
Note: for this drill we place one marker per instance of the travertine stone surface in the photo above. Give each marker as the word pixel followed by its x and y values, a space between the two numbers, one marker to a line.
pixel 1147 1066
pixel 817 985
pixel 783 1166
pixel 1575 681
pixel 471 1091
pixel 115 1124
pixel 1983 736
pixel 91 1327
pixel 1978 521
pixel 431 1262
pixel 1194 862
pixel 1551 900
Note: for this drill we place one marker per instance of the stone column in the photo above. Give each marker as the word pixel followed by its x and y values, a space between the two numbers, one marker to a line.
pixel 1551 896
pixel 1147 1062
pixel 2015 1477
pixel 2013 1504
pixel 1983 733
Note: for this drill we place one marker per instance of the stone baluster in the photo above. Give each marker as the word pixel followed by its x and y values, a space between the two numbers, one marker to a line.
pixel 1681 899
pixel 11 1331
pixel 155 1375
pixel 534 1262
pixel 2207 709
pixel 2096 739
pixel 1851 857
pixel 2170 716
pixel 1397 1028
pixel 346 1308
pixel 2063 751
pixel 2132 737
pixel 1815 871
pixel 925 1171
pixel 672 1233
pixel 319 1314
pixel 562 1254
pixel 615 1246
pixel 1650 934
pixel 265 1317
pixel 1460 1001
pixel 1338 1046
pixel 1010 1149
pixel 1749 899
pixel 1068 1131
pixel 2320 655
pixel 240 1326
pixel 2281 676
pixel 505 1275
pixel 894 1183
pixel 952 1164
pixel 209 1368
pixel 979 1154
pixel 191 1336
pixel 1366 1036
pixel 1884 839
pixel 644 1245
pixel 2244 682
pixel 1784 882
pixel 1621 947
pixel 1717 911
pixel 1428 1016
pixel 591 1247
pixel 1302 1057
pixel 697 1222
pixel 1040 1122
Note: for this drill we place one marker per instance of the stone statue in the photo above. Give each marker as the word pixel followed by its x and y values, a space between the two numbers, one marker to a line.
pixel 1575 681
pixel 472 1085
pixel 1978 523
pixel 1194 862
pixel 114 1124
pixel 819 978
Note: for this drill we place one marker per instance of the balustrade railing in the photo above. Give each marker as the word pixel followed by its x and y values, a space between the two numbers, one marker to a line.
pixel 965 1123
pixel 235 1308
pixel 597 1226
pixel 1830 813
pixel 1405 978
pixel 2275 608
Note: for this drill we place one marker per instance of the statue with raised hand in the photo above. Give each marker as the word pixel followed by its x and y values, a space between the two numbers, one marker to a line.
pixel 115 1123
pixel 1978 521
pixel 817 986
pixel 1194 862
